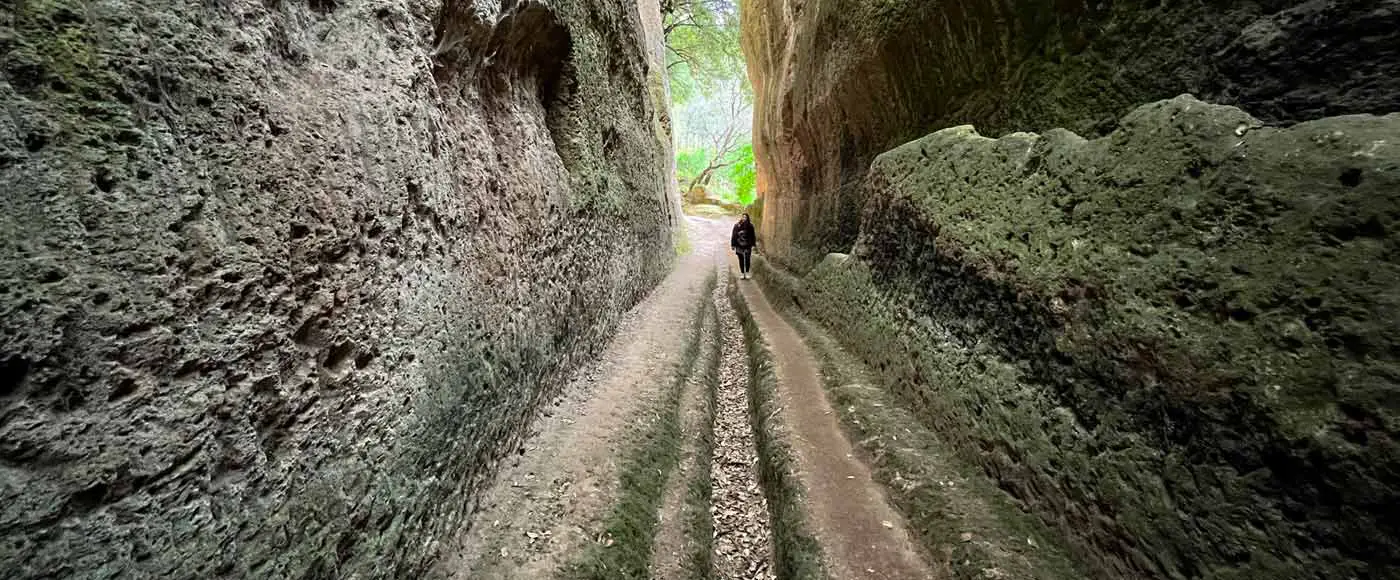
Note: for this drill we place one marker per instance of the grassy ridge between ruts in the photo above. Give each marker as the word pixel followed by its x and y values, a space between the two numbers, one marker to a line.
pixel 629 529
pixel 797 555
pixel 699 490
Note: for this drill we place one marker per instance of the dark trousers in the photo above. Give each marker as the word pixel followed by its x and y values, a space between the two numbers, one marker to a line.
pixel 744 255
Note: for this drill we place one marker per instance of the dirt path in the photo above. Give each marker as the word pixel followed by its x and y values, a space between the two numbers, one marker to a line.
pixel 546 507
pixel 551 507
pixel 683 532
pixel 860 534
pixel 714 522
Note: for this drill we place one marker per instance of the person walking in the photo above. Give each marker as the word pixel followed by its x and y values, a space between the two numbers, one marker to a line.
pixel 743 242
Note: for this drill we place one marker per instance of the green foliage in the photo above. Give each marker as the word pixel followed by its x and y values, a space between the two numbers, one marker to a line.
pixel 683 84
pixel 702 42
pixel 732 181
pixel 690 162
pixel 742 174
pixel 712 98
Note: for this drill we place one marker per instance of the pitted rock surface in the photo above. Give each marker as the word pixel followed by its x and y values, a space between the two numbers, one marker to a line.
pixel 284 280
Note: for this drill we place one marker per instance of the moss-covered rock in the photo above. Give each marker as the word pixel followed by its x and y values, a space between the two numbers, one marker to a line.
pixel 1173 342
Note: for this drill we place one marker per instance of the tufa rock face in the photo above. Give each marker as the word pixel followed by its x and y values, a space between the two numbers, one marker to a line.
pixel 839 82
pixel 1176 342
pixel 283 280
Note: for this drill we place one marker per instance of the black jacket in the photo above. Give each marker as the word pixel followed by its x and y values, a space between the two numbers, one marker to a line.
pixel 743 236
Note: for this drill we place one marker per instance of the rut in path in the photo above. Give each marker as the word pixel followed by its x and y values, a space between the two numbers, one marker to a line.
pixel 860 535
pixel 743 538
pixel 682 545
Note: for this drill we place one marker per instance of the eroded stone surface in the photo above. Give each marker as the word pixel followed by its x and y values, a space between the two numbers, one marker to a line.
pixel 282 280
pixel 1174 342
pixel 838 82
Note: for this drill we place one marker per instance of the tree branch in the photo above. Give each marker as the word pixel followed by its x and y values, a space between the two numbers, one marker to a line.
pixel 682 57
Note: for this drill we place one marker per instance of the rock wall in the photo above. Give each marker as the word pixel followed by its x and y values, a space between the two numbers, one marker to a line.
pixel 281 280
pixel 840 81
pixel 659 85
pixel 1162 328
pixel 1175 343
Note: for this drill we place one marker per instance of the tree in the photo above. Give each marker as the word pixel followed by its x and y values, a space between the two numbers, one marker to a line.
pixel 690 162
pixel 702 45
pixel 725 142
pixel 711 97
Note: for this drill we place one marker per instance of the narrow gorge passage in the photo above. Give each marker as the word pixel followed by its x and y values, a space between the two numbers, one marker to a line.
pixel 418 289
pixel 569 506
